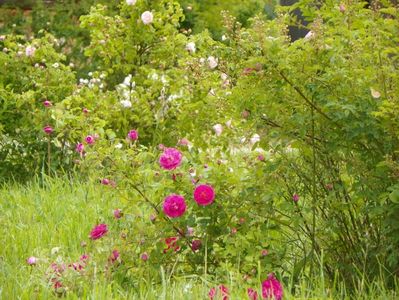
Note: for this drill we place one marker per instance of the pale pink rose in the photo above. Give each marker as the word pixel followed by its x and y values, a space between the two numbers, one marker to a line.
pixel 212 62
pixel 190 47
pixel 218 128
pixel 30 51
pixel 147 17
pixel 31 261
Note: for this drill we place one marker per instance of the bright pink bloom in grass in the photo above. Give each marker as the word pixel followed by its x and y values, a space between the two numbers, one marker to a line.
pixel 84 257
pixel 133 135
pixel 204 194
pixel 252 294
pixel 272 288
pixel 80 148
pixel 221 292
pixel 118 213
pixel 48 129
pixel 170 159
pixel 31 261
pixel 174 206
pixel 98 231
pixel 89 139
pixel 261 157
pixel 47 103
pixel 295 197
pixel 105 181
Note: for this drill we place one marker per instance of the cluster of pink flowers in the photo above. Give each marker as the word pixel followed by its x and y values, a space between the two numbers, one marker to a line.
pixel 221 292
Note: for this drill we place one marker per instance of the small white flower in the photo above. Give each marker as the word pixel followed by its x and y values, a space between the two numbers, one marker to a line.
pixel 56 65
pixel 126 103
pixel 154 76
pixel 375 94
pixel 131 2
pixel 224 76
pixel 71 65
pixel 163 79
pixel 202 60
pixel 309 35
pixel 254 139
pixel 228 124
pixel 212 62
pixel 30 51
pixel 118 146
pixel 190 47
pixel 218 128
pixel 127 80
pixel 147 17
pixel 55 250
pixel 90 74
pixel 224 38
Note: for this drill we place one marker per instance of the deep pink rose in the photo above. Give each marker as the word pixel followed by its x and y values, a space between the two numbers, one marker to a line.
pixel 295 197
pixel 48 129
pixel 89 139
pixel 204 194
pixel 252 294
pixel 170 159
pixel 133 135
pixel 47 103
pixel 174 206
pixel 105 181
pixel 98 231
pixel 220 292
pixel 272 288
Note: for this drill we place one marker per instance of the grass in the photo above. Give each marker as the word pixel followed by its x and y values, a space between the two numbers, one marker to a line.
pixel 36 218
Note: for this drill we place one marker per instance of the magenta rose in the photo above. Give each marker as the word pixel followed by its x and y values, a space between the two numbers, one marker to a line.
pixel 174 206
pixel 170 159
pixel 272 288
pixel 48 129
pixel 80 148
pixel 90 139
pixel 204 194
pixel 133 135
pixel 98 231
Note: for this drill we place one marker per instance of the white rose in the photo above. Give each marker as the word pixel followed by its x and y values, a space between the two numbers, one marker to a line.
pixel 212 62
pixel 147 17
pixel 126 103
pixel 309 35
pixel 218 128
pixel 191 47
pixel 131 2
pixel 254 139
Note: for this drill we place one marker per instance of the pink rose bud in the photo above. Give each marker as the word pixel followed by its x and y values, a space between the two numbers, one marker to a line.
pixel 105 181
pixel 133 135
pixel 190 231
pixel 264 252
pixel 342 8
pixel 47 103
pixel 144 256
pixel 184 142
pixel 242 220
pixel 89 139
pixel 114 256
pixel 48 129
pixel 196 245
pixel 153 218
pixel 31 261
pixel 245 114
pixel 233 230
pixel 329 186
pixel 295 197
pixel 261 157
pixel 80 148
pixel 85 110
pixel 118 213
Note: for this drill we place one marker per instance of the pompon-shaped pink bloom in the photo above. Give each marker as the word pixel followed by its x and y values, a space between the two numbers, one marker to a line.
pixel 90 139
pixel 48 129
pixel 204 194
pixel 252 294
pixel 170 159
pixel 144 256
pixel 80 148
pixel 272 288
pixel 98 231
pixel 221 292
pixel 295 197
pixel 174 206
pixel 196 245
pixel 118 213
pixel 133 135
pixel 147 17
